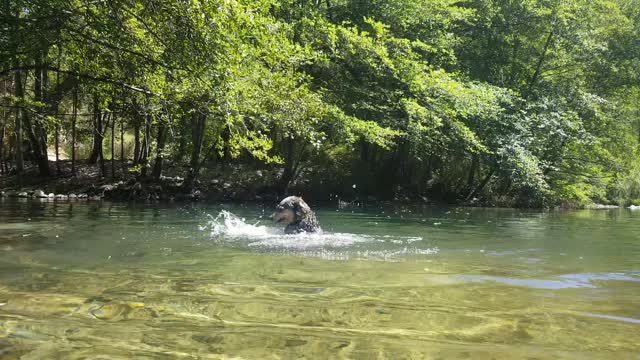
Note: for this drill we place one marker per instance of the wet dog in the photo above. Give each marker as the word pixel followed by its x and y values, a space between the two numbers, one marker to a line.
pixel 297 215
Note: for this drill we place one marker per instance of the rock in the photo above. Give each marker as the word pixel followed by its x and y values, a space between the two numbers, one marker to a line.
pixel 2 194
pixel 73 196
pixel 82 196
pixel 95 197
pixel 118 311
pixel 106 189
pixel 22 194
pixel 634 207
pixel 137 186
pixel 62 197
pixel 602 206
pixel 39 194
pixel 51 195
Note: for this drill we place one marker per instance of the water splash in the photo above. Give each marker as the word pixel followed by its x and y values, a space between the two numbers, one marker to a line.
pixel 232 230
pixel 229 225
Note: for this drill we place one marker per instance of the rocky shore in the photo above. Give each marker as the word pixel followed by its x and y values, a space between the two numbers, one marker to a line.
pixel 165 189
pixel 228 183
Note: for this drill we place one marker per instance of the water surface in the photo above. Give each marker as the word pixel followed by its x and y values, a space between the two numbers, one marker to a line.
pixel 117 281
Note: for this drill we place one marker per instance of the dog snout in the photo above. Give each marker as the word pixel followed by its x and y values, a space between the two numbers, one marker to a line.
pixel 276 217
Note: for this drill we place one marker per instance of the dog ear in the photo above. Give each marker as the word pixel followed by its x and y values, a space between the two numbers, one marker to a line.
pixel 301 209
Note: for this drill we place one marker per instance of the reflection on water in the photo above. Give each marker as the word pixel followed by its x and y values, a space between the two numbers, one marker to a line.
pixel 565 281
pixel 98 281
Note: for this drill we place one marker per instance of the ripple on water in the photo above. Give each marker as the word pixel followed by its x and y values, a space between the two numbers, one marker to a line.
pixel 566 281
pixel 613 317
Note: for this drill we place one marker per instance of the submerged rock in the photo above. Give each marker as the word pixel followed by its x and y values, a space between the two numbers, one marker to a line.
pixel 118 311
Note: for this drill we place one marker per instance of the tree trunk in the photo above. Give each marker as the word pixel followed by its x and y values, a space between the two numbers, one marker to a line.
pixel 40 155
pixel 226 148
pixel 157 167
pixel 198 122
pixel 146 145
pixel 182 140
pixel 98 135
pixel 292 165
pixel 2 167
pixel 105 125
pixel 73 130
pixel 57 129
pixel 536 73
pixel 113 147
pixel 3 132
pixel 122 146
pixel 287 174
pixel 136 146
pixel 57 141
pixel 19 91
pixel 483 183
pixel 35 130
pixel 472 174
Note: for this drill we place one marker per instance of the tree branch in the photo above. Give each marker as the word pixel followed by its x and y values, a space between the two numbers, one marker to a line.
pixel 83 76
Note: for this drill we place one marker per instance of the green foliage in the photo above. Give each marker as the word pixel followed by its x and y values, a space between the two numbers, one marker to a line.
pixel 527 103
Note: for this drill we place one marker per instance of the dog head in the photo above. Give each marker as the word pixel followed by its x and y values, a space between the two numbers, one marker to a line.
pixel 291 209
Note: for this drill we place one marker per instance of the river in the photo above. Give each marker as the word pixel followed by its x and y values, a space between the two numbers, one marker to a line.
pixel 120 281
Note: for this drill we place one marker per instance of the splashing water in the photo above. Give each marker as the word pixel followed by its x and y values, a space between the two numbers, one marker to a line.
pixel 232 230
pixel 229 225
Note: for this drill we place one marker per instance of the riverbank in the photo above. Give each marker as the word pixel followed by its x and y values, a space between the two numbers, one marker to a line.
pixel 223 183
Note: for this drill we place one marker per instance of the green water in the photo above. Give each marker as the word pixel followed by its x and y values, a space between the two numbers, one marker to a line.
pixel 111 281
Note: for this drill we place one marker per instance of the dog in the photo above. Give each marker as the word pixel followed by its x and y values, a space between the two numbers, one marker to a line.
pixel 297 215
